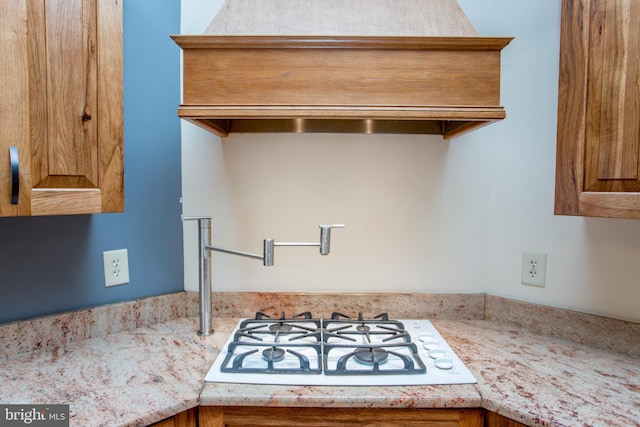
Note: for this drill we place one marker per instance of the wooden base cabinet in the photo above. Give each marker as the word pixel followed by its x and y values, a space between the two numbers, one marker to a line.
pixel 209 416
pixel 491 419
pixel 61 107
pixel 188 418
pixel 337 417
pixel 598 146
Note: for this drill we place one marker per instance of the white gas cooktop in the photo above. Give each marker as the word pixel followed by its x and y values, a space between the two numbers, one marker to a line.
pixel 342 352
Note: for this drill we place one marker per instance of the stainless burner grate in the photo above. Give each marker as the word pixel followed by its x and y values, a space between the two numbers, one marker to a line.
pixel 337 351
pixel 336 346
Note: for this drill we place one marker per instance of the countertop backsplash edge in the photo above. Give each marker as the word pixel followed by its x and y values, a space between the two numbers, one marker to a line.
pixel 56 330
pixel 596 331
pixel 450 306
pixel 59 329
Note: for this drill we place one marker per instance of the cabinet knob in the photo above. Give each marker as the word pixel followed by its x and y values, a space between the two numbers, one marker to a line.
pixel 15 175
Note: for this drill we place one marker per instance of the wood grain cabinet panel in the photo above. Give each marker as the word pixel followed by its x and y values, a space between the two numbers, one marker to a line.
pixel 337 417
pixel 188 418
pixel 599 109
pixel 244 416
pixel 493 419
pixel 61 106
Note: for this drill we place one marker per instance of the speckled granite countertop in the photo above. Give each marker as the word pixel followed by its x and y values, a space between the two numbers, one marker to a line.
pixel 542 380
pixel 132 378
pixel 145 375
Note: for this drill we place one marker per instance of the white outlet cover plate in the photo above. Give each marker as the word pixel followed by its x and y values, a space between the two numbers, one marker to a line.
pixel 534 269
pixel 116 267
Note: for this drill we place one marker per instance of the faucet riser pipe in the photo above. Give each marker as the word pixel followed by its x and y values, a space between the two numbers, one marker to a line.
pixel 204 241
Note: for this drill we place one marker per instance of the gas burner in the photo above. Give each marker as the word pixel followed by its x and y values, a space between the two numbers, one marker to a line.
pixel 377 346
pixel 371 356
pixel 381 331
pixel 374 359
pixel 281 327
pixel 339 316
pixel 266 329
pixel 263 316
pixel 286 358
pixel 274 354
pixel 363 328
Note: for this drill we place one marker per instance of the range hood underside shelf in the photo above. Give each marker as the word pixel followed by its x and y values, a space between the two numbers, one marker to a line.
pixel 413 85
pixel 220 123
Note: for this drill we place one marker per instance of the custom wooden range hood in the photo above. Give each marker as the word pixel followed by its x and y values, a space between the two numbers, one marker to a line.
pixel 356 66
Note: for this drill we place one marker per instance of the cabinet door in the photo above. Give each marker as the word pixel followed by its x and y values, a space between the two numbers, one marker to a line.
pixel 14 118
pixel 598 109
pixel 337 417
pixel 493 419
pixel 188 418
pixel 71 101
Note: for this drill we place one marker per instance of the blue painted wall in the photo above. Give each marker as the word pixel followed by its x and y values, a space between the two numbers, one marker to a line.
pixel 54 264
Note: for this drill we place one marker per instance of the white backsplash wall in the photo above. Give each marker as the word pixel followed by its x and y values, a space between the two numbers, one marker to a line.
pixel 593 264
pixel 382 187
pixel 422 215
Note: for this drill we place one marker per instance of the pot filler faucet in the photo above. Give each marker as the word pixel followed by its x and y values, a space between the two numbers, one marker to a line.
pixel 204 255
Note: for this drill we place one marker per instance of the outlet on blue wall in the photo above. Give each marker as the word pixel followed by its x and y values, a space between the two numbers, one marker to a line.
pixel 54 264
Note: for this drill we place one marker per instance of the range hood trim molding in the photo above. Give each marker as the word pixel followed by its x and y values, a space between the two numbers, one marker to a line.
pixel 337 112
pixel 475 43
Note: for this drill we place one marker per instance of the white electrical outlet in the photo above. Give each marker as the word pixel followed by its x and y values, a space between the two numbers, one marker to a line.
pixel 116 267
pixel 534 269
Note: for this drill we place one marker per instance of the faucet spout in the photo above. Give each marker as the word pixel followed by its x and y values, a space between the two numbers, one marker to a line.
pixel 268 252
pixel 325 237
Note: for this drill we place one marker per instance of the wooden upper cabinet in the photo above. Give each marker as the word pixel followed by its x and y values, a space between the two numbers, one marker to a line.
pixel 61 107
pixel 599 109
